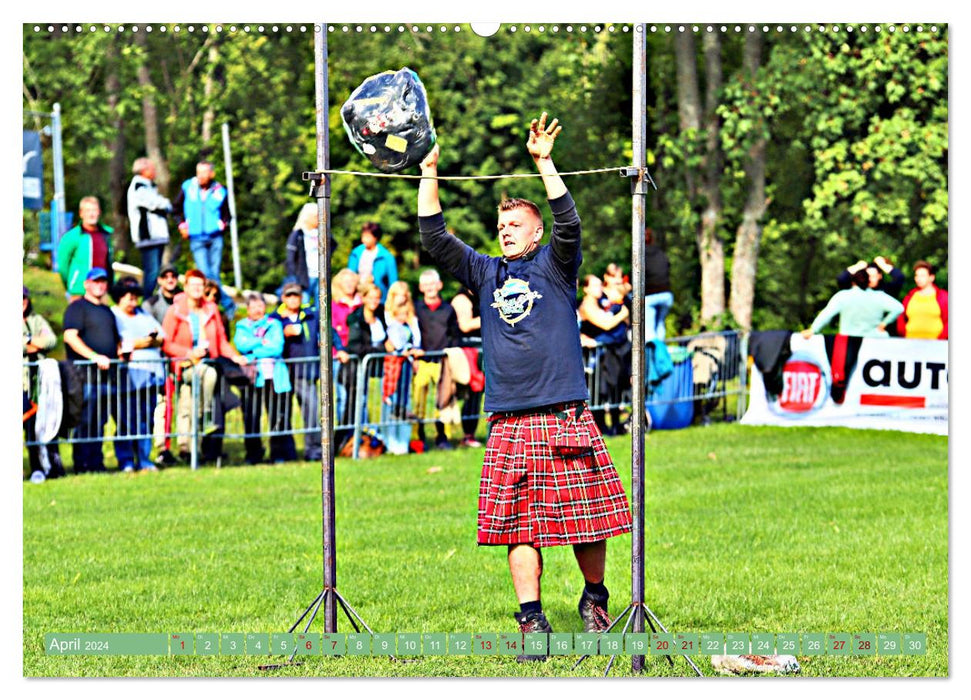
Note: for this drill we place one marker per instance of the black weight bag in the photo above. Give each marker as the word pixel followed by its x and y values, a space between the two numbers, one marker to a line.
pixel 388 121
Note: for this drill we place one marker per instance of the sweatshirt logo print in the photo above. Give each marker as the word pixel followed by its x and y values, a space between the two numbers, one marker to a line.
pixel 514 300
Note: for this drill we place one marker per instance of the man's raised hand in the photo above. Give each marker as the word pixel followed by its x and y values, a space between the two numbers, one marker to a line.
pixel 541 137
pixel 430 162
pixel 428 202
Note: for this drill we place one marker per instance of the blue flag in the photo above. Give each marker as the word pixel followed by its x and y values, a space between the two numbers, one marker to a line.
pixel 33 168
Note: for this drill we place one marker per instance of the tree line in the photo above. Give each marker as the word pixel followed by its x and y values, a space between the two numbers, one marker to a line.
pixel 780 157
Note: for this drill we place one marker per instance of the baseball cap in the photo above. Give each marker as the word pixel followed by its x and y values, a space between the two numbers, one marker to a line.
pixel 167 267
pixel 96 273
pixel 290 287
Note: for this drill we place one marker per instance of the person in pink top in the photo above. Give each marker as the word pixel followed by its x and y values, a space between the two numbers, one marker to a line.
pixel 344 300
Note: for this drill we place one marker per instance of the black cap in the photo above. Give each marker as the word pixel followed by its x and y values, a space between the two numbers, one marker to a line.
pixel 167 267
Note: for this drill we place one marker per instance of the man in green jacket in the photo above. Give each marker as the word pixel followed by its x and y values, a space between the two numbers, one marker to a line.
pixel 86 246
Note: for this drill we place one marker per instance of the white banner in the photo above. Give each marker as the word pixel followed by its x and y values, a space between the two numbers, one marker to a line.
pixel 890 384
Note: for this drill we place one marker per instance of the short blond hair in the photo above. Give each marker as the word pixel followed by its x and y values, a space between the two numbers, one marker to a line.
pixel 369 287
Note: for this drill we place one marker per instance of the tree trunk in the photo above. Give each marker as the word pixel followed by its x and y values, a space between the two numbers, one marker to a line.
pixel 117 170
pixel 749 235
pixel 153 147
pixel 689 102
pixel 711 251
pixel 208 90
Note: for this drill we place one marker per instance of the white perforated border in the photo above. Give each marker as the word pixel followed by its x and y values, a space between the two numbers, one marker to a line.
pixel 376 28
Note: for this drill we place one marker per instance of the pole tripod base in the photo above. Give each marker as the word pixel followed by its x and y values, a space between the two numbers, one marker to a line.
pixel 353 617
pixel 633 611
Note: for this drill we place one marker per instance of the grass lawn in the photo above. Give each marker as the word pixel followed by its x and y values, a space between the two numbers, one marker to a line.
pixel 749 530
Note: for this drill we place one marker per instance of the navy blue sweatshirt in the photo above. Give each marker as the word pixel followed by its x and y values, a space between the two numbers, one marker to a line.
pixel 530 338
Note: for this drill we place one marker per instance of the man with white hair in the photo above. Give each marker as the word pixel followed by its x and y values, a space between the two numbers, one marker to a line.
pixel 149 229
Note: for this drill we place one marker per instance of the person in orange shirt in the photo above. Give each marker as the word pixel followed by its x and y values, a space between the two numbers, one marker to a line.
pixel 925 307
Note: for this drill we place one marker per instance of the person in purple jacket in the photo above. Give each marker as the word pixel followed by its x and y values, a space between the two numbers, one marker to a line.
pixel 547 478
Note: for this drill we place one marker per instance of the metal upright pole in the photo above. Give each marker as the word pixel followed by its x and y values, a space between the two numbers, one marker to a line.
pixel 326 362
pixel 328 597
pixel 637 328
pixel 58 158
pixel 233 229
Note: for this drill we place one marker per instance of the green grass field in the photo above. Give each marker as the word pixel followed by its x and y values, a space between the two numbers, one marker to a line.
pixel 749 529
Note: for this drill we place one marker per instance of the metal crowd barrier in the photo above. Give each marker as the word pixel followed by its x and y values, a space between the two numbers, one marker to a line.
pixel 378 394
pixel 717 373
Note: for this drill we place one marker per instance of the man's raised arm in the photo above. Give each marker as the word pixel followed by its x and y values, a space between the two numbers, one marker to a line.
pixel 428 202
pixel 565 236
pixel 449 252
pixel 540 147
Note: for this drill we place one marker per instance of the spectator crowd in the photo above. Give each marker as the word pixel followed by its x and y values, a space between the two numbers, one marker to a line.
pixel 868 303
pixel 166 358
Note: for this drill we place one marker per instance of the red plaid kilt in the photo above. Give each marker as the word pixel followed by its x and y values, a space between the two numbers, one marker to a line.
pixel 531 495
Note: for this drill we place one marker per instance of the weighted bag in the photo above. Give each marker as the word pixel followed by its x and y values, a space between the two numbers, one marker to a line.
pixel 388 122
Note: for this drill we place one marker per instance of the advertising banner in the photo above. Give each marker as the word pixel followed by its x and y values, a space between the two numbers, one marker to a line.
pixel 879 383
pixel 33 171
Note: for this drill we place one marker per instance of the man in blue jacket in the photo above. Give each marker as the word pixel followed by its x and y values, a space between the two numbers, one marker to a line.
pixel 204 207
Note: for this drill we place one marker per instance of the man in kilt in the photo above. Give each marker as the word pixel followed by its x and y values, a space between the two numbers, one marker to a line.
pixel 547 478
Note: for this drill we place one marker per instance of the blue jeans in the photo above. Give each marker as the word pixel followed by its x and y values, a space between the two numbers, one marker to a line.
pixel 309 295
pixel 137 412
pixel 398 435
pixel 99 402
pixel 656 307
pixel 151 262
pixel 340 395
pixel 207 251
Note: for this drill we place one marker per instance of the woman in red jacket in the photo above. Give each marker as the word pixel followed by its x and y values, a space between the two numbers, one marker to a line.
pixel 194 331
pixel 925 307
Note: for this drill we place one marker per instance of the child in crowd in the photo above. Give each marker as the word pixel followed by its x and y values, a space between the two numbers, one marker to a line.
pixel 403 340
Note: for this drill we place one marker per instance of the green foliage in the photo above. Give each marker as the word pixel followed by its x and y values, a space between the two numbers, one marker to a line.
pixel 856 126
pixel 868 114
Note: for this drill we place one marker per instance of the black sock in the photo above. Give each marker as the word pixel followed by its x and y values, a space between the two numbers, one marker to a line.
pixel 533 606
pixel 598 590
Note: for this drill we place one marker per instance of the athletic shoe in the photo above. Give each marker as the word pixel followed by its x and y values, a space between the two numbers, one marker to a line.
pixel 150 468
pixel 593 612
pixel 37 477
pixel 529 624
pixel 128 468
pixel 470 442
pixel 443 445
